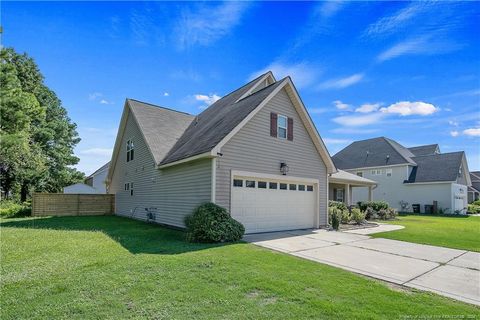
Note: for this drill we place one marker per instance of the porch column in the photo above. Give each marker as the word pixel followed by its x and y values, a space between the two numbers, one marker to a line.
pixel 369 193
pixel 348 201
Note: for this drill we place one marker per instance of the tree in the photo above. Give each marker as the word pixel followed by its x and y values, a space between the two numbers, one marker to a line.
pixel 36 136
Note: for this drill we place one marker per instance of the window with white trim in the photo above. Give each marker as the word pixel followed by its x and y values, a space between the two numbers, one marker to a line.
pixel 360 173
pixel 376 172
pixel 389 172
pixel 129 187
pixel 282 126
pixel 130 148
pixel 339 195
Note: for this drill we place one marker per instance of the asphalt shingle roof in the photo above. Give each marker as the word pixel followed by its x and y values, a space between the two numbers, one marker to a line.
pixel 437 167
pixel 161 127
pixel 424 150
pixel 374 152
pixel 213 124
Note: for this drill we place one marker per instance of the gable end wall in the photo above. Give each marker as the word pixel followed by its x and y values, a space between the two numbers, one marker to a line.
pixel 253 149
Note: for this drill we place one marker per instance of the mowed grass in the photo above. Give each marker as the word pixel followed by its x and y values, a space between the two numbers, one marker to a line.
pixel 462 232
pixel 116 268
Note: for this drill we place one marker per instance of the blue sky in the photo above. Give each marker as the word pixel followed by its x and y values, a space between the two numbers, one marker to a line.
pixel 408 71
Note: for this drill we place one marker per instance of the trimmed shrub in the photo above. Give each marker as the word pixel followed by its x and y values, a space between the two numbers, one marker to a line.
pixel 357 216
pixel 370 214
pixel 345 216
pixel 11 209
pixel 476 202
pixel 473 208
pixel 382 214
pixel 391 213
pixel 337 204
pixel 335 218
pixel 212 223
pixel 375 205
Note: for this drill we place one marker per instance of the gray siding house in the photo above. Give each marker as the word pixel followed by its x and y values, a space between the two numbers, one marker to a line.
pixel 474 189
pixel 255 152
pixel 415 176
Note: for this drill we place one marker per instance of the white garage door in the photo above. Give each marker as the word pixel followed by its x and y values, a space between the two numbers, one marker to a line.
pixel 263 205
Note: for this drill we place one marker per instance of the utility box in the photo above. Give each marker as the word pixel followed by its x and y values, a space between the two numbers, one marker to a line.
pixel 416 208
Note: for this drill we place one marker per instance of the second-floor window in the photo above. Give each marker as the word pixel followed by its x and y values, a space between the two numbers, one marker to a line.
pixel 376 172
pixel 130 148
pixel 282 127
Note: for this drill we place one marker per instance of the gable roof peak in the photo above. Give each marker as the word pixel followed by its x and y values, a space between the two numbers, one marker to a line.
pixel 148 104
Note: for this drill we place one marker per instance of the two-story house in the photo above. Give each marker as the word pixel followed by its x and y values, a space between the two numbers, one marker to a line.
pixel 408 178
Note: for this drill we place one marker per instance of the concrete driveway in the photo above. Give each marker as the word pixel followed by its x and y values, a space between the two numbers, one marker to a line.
pixel 449 272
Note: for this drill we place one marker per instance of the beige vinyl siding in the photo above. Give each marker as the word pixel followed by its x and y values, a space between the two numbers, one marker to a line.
pixel 172 193
pixel 253 149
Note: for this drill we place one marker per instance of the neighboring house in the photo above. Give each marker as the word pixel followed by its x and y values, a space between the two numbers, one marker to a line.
pixel 79 188
pixel 474 189
pixel 255 152
pixel 98 179
pixel 94 183
pixel 417 176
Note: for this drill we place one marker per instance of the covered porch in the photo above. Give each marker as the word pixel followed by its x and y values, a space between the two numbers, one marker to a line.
pixel 341 183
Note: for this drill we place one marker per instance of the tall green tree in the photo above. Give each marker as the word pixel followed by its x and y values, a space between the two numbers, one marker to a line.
pixel 36 135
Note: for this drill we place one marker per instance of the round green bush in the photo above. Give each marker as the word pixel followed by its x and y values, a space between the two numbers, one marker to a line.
pixel 212 223
pixel 358 216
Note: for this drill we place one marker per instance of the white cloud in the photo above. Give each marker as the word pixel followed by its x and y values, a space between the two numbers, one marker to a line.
pixel 454 133
pixel 453 123
pixel 473 132
pixel 207 99
pixel 426 45
pixel 302 73
pixel 330 8
pixel 97 151
pixel 340 105
pixel 392 23
pixel 98 96
pixel 336 141
pixel 407 108
pixel 358 120
pixel 103 101
pixel 368 107
pixel 341 83
pixel 208 24
pixel 166 94
pixel 94 96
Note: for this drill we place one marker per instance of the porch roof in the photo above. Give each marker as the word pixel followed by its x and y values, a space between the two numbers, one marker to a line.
pixel 344 177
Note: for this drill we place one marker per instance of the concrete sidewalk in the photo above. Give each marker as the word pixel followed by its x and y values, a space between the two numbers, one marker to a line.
pixel 449 272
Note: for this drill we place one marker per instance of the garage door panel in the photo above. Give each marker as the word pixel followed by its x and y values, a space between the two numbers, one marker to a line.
pixel 261 210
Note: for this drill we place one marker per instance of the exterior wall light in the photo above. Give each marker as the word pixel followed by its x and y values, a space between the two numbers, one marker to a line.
pixel 283 168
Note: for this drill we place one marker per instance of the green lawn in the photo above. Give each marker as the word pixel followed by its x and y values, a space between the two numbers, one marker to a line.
pixel 461 232
pixel 112 268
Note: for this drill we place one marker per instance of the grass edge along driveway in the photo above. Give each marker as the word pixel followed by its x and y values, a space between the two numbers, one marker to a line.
pixel 112 268
pixel 456 232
